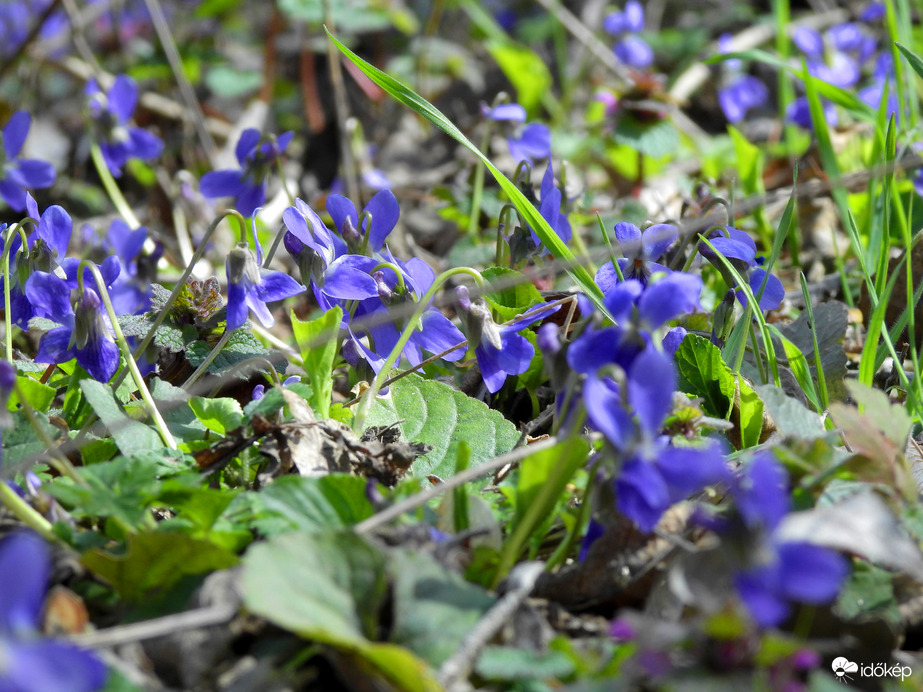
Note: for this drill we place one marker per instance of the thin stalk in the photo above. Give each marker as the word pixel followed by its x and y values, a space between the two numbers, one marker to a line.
pixel 275 246
pixel 422 305
pixel 126 351
pixel 478 189
pixel 56 459
pixel 397 272
pixel 7 305
pixel 199 371
pixel 23 511
pixel 112 188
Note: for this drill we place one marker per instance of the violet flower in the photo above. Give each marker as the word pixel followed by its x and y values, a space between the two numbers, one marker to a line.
pixel 526 142
pixel 630 49
pixel 384 211
pixel 250 286
pixel 131 292
pixel 639 250
pixel 740 92
pixel 740 250
pixel 779 571
pixel 110 113
pixel 257 156
pixel 32 663
pixel 16 174
pixel 85 331
pixel 826 60
pixel 500 349
pixel 47 248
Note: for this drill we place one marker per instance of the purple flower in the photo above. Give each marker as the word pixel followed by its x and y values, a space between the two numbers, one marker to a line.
pixel 740 91
pixel 740 250
pixel 16 175
pixel 250 286
pixel 550 207
pixel 257 156
pixel 259 391
pixel 131 292
pixel 47 247
pixel 384 212
pixel 85 332
pixel 31 663
pixel 526 142
pixel 832 64
pixel 500 349
pixel 779 571
pixel 110 113
pixel 799 113
pixel 639 251
pixel 630 49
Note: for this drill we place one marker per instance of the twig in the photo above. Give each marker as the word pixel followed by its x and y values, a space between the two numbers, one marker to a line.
pixel 159 627
pixel 466 476
pixel 520 583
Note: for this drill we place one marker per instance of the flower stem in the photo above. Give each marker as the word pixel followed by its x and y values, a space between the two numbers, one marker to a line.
pixel 56 459
pixel 112 188
pixel 26 513
pixel 365 405
pixel 7 306
pixel 275 246
pixel 393 267
pixel 126 352
pixel 478 190
pixel 199 371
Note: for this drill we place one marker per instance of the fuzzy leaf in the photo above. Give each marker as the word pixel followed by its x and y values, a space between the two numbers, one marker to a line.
pixel 130 435
pixel 317 341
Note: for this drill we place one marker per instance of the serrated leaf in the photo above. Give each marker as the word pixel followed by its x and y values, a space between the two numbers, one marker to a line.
pixel 130 435
pixel 317 341
pixel 241 346
pixel 655 139
pixel 515 295
pixel 155 561
pixel 22 447
pixel 434 413
pixel 704 373
pixel 220 415
pixel 167 336
pixel 335 501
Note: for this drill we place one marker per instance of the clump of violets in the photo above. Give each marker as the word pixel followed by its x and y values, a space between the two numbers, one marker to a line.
pixel 630 48
pixel 110 116
pixel 640 250
pixel 740 92
pixel 378 219
pixel 30 662
pixel 257 155
pixel 777 572
pixel 527 142
pixel 16 174
pixel 250 286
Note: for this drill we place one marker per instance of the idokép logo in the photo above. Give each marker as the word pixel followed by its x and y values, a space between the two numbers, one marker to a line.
pixel 844 669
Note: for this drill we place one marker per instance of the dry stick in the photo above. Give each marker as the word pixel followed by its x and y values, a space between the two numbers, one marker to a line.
pixel 185 88
pixel 520 582
pixel 342 108
pixel 466 476
pixel 158 627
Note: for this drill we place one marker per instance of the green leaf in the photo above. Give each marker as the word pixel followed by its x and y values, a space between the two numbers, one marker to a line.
pixel 273 400
pixel 219 415
pixel 434 608
pixel 167 336
pixel 915 61
pixel 792 419
pixel 22 447
pixel 335 501
pixel 702 372
pixel 317 340
pixel 526 71
pixel 749 162
pixel 869 590
pixel 655 139
pixel 155 561
pixel 227 82
pixel 515 294
pixel 330 588
pixel 130 435
pixel 530 214
pixel 507 663
pixel 436 414
pixel 241 346
pixel 38 395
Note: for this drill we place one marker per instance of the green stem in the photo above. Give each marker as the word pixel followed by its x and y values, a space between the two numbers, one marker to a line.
pixel 26 513
pixel 478 190
pixel 56 459
pixel 112 188
pixel 199 371
pixel 365 405
pixel 397 271
pixel 7 305
pixel 275 246
pixel 126 351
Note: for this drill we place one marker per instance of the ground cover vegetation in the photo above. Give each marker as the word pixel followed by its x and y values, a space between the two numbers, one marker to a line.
pixel 460 345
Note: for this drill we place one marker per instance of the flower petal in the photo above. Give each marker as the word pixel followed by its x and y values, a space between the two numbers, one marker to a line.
pixel 122 98
pixel 143 144
pixel 15 132
pixel 339 208
pixel 25 564
pixel 99 357
pixel 223 183
pixel 248 139
pixel 656 239
pixel 45 665
pixel 811 574
pixel 628 236
pixel 385 212
pixel 52 295
pixel 641 494
pixel 651 381
pixel 33 173
pixel 55 346
pixel 275 285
